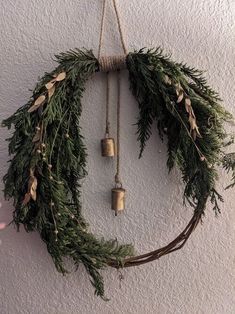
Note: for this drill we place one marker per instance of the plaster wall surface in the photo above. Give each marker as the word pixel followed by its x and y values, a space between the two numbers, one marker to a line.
pixel 200 279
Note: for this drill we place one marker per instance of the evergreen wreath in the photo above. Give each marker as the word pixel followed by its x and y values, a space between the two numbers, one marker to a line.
pixel 49 156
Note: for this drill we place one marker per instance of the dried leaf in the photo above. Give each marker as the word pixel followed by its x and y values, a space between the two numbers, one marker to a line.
pixel 38 102
pixel 194 134
pixel 33 194
pixel 181 97
pixel 36 137
pixel 194 130
pixel 60 77
pixel 197 132
pixel 178 88
pixel 33 182
pixel 187 101
pixel 192 122
pixel 50 84
pixel 167 80
pixel 51 92
pixel 27 198
pixel 32 185
pixel 188 106
pixel 192 113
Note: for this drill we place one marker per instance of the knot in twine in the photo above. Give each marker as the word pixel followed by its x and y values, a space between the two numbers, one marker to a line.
pixel 112 63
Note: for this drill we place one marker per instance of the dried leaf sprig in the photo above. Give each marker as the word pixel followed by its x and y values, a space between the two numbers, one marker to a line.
pixel 37 138
pixel 50 90
pixel 168 93
pixel 32 188
pixel 193 132
pixel 181 94
pixel 50 86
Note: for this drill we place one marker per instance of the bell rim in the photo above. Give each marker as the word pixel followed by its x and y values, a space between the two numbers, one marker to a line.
pixel 118 190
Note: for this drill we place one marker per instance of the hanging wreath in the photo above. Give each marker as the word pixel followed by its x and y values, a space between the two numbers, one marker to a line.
pixel 49 156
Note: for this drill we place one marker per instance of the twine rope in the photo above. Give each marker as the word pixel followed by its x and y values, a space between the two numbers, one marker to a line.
pixel 112 63
pixel 119 28
pixel 107 122
pixel 117 175
pixel 102 28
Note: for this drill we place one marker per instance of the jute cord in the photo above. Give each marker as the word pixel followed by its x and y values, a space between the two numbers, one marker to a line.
pixel 102 29
pixel 117 175
pixel 119 28
pixel 107 123
pixel 112 63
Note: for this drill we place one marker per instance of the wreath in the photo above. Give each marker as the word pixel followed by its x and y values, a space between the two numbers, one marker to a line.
pixel 49 155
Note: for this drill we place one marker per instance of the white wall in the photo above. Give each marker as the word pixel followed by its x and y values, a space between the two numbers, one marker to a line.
pixel 198 279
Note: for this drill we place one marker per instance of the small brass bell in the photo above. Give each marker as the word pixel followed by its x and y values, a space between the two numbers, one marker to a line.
pixel 118 199
pixel 107 147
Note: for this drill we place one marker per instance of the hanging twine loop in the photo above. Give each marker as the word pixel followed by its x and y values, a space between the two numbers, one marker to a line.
pixel 111 63
pixel 120 27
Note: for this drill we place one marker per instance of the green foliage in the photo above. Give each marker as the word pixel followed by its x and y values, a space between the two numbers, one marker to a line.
pixel 156 82
pixel 67 156
pixel 57 159
pixel 228 163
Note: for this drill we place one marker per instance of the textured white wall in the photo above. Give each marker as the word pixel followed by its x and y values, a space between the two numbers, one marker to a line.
pixel 198 279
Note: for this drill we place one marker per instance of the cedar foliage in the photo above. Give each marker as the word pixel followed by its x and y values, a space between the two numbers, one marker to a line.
pixel 156 82
pixel 60 116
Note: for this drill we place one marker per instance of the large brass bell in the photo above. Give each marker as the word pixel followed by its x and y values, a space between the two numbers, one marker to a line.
pixel 107 147
pixel 118 199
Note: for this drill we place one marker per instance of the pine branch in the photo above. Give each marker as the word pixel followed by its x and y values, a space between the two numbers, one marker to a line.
pixel 47 144
pixel 188 112
pixel 228 163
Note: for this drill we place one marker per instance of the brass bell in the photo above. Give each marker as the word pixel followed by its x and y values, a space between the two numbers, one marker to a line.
pixel 118 199
pixel 107 147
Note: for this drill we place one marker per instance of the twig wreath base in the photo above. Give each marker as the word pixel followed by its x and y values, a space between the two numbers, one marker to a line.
pixel 49 156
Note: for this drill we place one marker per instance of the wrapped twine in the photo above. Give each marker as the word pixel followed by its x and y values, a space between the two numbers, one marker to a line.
pixel 112 63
